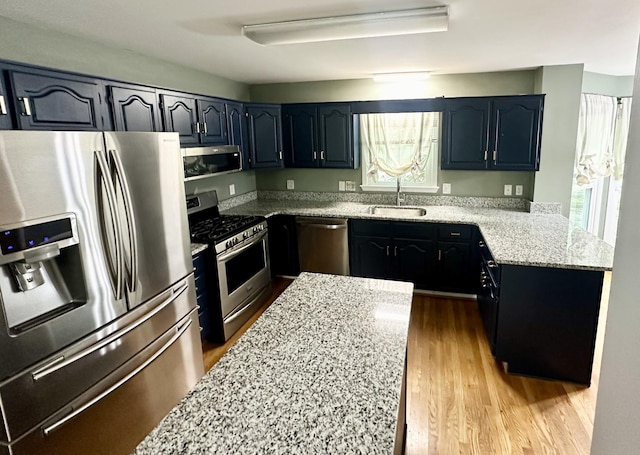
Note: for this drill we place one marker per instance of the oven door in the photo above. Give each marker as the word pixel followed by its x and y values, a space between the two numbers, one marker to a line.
pixel 244 272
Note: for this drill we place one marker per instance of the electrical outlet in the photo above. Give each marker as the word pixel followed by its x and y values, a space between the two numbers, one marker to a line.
pixel 341 186
pixel 350 185
pixel 290 185
pixel 232 189
pixel 446 188
pixel 518 190
pixel 507 190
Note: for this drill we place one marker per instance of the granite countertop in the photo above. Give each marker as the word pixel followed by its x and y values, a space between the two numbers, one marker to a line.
pixel 319 372
pixel 513 236
pixel 198 247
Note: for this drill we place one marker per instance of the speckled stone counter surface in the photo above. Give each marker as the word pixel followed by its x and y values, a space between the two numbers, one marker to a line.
pixel 197 248
pixel 319 372
pixel 513 236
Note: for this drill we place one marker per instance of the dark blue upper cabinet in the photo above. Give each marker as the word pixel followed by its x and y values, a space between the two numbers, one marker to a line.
pixel 495 133
pixel 318 135
pixel 517 133
pixel 5 113
pixel 465 133
pixel 300 136
pixel 134 108
pixel 237 130
pixel 335 139
pixel 265 135
pixel 180 116
pixel 48 100
pixel 213 121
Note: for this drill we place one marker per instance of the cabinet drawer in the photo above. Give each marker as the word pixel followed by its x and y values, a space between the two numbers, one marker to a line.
pixel 369 227
pixel 455 232
pixel 200 284
pixel 419 231
pixel 198 264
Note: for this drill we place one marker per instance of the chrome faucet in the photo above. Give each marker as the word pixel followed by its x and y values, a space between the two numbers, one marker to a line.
pixel 399 199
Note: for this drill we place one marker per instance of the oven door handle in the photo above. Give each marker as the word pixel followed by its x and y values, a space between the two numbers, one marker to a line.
pixel 235 252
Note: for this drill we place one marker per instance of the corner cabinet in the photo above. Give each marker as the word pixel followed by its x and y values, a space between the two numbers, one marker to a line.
pixel 265 135
pixel 237 130
pixel 49 100
pixel 496 133
pixel 198 120
pixel 134 108
pixel 318 135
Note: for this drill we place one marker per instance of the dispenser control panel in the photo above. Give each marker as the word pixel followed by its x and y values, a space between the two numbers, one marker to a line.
pixel 26 237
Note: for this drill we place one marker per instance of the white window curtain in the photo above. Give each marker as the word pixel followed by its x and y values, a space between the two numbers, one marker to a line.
pixel 620 136
pixel 594 147
pixel 398 144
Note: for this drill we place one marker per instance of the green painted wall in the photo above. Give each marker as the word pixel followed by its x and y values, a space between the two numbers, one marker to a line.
pixel 562 85
pixel 244 182
pixel 463 183
pixel 604 84
pixel 27 44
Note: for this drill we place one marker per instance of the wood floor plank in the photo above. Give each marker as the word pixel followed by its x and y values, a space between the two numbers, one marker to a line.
pixel 459 399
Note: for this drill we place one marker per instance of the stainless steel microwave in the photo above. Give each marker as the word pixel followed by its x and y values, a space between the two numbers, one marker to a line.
pixel 200 162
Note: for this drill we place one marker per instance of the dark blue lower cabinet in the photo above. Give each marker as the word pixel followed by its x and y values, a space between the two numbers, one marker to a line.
pixel 200 276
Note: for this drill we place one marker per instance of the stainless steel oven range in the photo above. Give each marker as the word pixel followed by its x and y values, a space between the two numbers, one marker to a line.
pixel 237 267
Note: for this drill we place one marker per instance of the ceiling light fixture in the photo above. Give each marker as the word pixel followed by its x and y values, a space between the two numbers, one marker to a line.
pixel 401 77
pixel 389 23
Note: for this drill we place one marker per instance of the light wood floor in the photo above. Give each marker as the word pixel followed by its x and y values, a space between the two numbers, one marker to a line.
pixel 459 401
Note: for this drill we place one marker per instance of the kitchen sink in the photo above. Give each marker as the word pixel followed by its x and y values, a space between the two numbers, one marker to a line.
pixel 391 210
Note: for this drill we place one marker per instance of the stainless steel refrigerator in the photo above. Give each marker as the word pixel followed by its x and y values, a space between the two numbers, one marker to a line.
pixel 99 334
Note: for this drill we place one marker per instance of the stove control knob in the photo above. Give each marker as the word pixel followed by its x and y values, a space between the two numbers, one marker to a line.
pixel 245 235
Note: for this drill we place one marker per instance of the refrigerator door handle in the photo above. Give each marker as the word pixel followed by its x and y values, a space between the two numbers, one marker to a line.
pixel 104 181
pixel 180 330
pixel 123 185
pixel 61 362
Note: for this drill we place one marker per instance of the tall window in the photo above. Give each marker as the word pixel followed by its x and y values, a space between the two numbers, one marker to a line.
pixel 400 145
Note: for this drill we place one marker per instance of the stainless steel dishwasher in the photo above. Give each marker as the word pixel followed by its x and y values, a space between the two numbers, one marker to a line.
pixel 323 245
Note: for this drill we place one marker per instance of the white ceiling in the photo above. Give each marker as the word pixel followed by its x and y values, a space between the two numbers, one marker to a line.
pixel 484 35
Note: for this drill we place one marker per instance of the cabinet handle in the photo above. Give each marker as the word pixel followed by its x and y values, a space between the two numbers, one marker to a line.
pixel 197 127
pixel 280 155
pixel 387 250
pixel 439 255
pixel 481 244
pixel 3 106
pixel 322 154
pixel 315 156
pixel 492 264
pixel 495 156
pixel 204 125
pixel 455 234
pixel 486 153
pixel 395 251
pixel 27 107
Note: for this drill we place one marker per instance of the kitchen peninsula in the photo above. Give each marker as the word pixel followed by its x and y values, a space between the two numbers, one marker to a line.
pixel 321 371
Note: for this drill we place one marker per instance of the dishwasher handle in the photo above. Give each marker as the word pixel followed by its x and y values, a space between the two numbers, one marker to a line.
pixel 323 226
pixel 322 223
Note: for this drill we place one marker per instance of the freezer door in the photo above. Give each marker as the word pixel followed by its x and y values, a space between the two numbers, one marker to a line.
pixel 44 176
pixel 148 177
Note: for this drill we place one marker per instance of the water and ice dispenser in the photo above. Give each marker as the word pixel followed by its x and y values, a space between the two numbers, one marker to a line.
pixel 41 271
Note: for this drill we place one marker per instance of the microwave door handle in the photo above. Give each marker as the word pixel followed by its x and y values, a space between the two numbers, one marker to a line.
pixel 123 185
pixel 180 330
pixel 104 181
pixel 235 252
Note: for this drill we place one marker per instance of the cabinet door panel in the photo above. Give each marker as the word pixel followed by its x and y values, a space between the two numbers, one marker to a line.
pixel 415 261
pixel 237 130
pixel 516 133
pixel 465 124
pixel 283 245
pixel 299 136
pixel 334 136
pixel 134 109
pixel 370 257
pixel 56 102
pixel 5 115
pixel 213 120
pixel 265 136
pixel 180 116
pixel 455 262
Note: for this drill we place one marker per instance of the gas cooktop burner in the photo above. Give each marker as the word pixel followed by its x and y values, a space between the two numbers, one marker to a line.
pixel 221 227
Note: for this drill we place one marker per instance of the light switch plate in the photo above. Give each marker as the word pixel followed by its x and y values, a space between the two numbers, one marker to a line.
pixel 518 190
pixel 507 190
pixel 232 189
pixel 341 186
pixel 290 185
pixel 350 185
pixel 446 188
